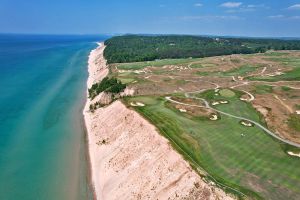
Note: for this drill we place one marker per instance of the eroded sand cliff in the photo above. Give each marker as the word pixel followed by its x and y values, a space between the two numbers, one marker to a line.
pixel 130 159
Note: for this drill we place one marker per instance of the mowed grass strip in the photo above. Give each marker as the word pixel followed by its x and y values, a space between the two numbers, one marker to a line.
pixel 240 71
pixel 255 163
pixel 157 63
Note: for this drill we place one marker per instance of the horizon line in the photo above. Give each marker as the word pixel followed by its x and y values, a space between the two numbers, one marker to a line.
pixel 145 34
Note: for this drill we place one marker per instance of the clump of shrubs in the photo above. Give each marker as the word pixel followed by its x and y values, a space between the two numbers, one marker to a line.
pixel 95 106
pixel 111 85
pixel 294 122
pixel 103 142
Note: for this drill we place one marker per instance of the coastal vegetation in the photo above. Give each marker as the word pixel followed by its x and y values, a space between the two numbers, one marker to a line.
pixel 95 106
pixel 137 48
pixel 111 85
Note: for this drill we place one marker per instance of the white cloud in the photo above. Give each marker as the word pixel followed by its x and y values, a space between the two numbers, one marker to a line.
pixel 231 4
pixel 211 17
pixel 198 4
pixel 246 8
pixel 251 6
pixel 240 10
pixel 283 17
pixel 276 17
pixel 256 6
pixel 297 17
pixel 294 7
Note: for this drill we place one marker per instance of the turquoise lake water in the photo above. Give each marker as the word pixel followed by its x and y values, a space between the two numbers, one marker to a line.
pixel 42 94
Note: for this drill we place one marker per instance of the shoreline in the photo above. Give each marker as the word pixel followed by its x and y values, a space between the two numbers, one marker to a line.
pixel 135 161
pixel 87 157
pixel 92 69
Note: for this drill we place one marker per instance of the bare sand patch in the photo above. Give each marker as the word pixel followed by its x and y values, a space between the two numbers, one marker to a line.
pixel 219 102
pixel 137 104
pixel 246 123
pixel 183 110
pixel 294 154
pixel 137 162
pixel 214 117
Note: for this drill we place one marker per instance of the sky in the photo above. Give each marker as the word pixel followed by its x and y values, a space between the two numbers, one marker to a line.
pixel 256 18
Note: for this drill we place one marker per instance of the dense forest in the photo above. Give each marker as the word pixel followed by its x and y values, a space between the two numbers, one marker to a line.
pixel 111 85
pixel 135 48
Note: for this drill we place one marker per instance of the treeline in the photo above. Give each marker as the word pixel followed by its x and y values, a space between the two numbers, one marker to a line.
pixel 135 48
pixel 111 85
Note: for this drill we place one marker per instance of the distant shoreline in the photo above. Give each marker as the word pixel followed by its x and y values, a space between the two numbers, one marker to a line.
pixel 94 76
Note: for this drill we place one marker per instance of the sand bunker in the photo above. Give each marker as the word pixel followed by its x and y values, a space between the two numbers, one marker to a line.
pixel 137 104
pixel 294 154
pixel 219 102
pixel 215 103
pixel 224 102
pixel 248 124
pixel 214 117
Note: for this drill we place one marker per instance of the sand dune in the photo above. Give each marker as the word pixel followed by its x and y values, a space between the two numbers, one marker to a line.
pixel 130 159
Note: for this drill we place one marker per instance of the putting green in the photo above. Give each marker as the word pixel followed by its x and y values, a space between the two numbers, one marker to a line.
pixel 227 93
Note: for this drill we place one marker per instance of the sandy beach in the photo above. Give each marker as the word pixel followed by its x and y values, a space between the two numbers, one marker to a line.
pixel 130 159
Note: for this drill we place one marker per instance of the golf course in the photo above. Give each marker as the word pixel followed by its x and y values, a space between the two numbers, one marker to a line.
pixel 243 160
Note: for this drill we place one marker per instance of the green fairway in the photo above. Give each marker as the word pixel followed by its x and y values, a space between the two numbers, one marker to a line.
pixel 239 71
pixel 126 80
pixel 158 63
pixel 244 158
pixel 202 65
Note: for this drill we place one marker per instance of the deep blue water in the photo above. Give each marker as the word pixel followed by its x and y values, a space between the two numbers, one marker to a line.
pixel 42 93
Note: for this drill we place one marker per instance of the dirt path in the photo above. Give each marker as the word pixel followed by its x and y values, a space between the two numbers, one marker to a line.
pixel 251 95
pixel 242 84
pixel 263 71
pixel 284 104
